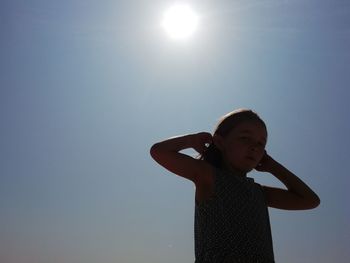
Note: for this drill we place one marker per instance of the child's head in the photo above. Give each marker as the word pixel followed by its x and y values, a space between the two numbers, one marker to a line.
pixel 238 141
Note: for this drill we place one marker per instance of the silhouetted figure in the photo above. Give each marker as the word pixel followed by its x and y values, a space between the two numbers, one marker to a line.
pixel 231 216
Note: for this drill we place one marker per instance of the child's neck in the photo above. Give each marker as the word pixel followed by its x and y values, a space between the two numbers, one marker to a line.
pixel 235 171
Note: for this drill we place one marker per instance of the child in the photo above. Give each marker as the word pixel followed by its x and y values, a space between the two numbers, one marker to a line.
pixel 231 216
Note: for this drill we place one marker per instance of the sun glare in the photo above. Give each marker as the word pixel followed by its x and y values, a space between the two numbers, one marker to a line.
pixel 180 21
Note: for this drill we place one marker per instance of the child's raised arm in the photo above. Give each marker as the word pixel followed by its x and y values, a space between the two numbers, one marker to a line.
pixel 298 196
pixel 167 154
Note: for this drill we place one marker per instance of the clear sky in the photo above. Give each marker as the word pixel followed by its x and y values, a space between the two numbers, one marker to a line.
pixel 88 86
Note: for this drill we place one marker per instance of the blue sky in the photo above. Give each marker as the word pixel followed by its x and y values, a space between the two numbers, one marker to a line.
pixel 87 87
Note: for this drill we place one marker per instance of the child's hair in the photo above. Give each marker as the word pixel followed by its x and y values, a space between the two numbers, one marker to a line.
pixel 226 123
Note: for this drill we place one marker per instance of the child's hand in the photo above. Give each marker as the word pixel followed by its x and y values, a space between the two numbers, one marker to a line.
pixel 266 164
pixel 200 141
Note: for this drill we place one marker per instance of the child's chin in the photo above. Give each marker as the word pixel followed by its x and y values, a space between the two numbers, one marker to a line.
pixel 249 170
pixel 246 169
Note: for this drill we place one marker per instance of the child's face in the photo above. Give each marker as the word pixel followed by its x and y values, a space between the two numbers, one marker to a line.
pixel 244 146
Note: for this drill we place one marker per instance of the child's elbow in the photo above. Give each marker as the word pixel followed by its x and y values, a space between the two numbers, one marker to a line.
pixel 314 202
pixel 154 151
pixel 317 202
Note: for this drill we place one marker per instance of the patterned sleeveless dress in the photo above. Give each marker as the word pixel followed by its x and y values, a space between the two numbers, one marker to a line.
pixel 234 225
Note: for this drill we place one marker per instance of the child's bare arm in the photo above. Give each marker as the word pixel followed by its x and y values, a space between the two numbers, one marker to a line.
pixel 298 196
pixel 167 154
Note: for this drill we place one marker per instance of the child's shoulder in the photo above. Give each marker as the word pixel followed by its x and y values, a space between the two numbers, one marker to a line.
pixel 205 183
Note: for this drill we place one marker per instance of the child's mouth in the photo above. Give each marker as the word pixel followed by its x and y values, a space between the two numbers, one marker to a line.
pixel 250 158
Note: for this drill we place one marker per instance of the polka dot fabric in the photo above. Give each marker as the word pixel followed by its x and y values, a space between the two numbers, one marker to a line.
pixel 234 225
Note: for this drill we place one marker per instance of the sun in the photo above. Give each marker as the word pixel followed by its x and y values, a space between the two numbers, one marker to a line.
pixel 180 21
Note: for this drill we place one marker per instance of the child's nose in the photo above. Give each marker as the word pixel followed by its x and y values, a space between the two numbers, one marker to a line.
pixel 254 146
pixel 254 149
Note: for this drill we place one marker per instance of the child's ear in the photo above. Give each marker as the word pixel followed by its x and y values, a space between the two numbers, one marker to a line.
pixel 217 140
